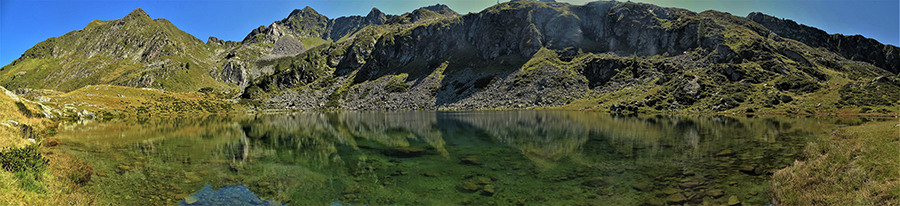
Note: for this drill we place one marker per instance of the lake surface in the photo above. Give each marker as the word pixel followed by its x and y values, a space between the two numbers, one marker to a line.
pixel 439 158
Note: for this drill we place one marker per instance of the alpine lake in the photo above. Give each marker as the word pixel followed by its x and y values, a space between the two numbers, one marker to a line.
pixel 440 158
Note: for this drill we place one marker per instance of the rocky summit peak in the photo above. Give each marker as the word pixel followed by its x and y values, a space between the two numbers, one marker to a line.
pixel 440 8
pixel 375 12
pixel 306 11
pixel 137 13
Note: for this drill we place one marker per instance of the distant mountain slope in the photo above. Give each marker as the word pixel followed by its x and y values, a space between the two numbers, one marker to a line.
pixel 605 55
pixel 134 51
pixel 854 47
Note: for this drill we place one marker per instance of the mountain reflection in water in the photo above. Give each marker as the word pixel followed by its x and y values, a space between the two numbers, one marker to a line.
pixel 440 158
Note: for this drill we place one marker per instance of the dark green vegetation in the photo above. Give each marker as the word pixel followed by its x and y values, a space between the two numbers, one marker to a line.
pixel 27 164
pixel 27 159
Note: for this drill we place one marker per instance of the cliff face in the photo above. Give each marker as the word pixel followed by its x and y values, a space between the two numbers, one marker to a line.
pixel 854 47
pixel 617 56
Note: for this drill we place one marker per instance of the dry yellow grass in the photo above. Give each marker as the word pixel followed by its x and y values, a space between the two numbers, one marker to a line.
pixel 857 165
pixel 53 186
pixel 10 134
pixel 128 101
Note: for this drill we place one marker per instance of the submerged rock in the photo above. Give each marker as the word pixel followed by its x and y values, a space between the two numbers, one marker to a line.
pixel 716 193
pixel 653 201
pixel 468 186
pixel 228 195
pixel 746 168
pixel 733 200
pixel 676 198
pixel 670 190
pixel 641 186
pixel 595 182
pixel 488 190
pixel 726 152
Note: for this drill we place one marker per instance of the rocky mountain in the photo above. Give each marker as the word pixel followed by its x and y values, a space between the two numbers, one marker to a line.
pixel 605 55
pixel 855 47
pixel 619 56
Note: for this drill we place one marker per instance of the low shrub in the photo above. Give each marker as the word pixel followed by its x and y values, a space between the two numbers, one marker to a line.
pixel 28 158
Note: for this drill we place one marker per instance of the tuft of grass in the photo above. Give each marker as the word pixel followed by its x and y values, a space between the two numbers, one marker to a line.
pixel 857 165
pixel 396 84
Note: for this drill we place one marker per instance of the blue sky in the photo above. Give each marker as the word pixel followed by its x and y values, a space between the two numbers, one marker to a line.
pixel 25 23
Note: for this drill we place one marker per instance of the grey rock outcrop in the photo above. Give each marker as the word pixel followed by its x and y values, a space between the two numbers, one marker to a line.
pixel 232 72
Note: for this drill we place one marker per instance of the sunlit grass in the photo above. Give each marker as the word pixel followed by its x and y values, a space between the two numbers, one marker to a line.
pixel 858 165
pixel 35 186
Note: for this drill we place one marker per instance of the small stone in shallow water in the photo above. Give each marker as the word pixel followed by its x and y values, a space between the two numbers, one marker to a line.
pixel 190 200
pixel 483 180
pixel 676 198
pixel 691 183
pixel 654 201
pixel 726 152
pixel 733 200
pixel 716 193
pixel 670 191
pixel 488 190
pixel 468 186
pixel 641 186
pixel 745 168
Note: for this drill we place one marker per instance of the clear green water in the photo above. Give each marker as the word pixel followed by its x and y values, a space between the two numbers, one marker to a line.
pixel 443 158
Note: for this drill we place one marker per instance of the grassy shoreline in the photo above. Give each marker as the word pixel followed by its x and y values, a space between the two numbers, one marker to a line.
pixel 43 174
pixel 855 165
pixel 862 159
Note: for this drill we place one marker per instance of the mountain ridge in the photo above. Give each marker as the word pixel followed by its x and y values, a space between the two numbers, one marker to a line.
pixel 615 56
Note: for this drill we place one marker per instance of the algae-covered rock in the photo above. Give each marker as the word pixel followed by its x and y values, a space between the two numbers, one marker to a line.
pixel 716 193
pixel 733 200
pixel 468 186
pixel 641 186
pixel 488 190
pixel 676 198
pixel 595 182
pixel 670 190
